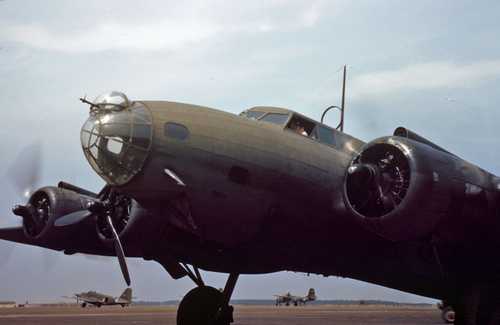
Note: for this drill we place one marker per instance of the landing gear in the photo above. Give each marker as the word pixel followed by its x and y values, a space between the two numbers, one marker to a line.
pixel 466 304
pixel 206 305
pixel 199 306
pixel 448 315
pixel 447 312
pixel 478 305
pixel 84 305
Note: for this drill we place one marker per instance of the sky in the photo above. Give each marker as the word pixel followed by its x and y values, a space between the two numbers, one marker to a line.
pixel 431 66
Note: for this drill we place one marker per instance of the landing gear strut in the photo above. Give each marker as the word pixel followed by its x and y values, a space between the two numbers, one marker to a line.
pixel 206 305
pixel 478 305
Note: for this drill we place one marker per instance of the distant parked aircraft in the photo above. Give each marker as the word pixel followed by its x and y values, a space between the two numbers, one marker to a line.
pixel 99 299
pixel 288 298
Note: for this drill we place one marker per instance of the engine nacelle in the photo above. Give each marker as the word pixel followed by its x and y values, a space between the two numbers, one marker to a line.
pixel 402 187
pixel 45 206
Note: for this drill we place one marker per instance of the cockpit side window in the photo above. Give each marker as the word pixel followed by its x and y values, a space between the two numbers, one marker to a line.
pixel 326 135
pixel 301 126
pixel 276 118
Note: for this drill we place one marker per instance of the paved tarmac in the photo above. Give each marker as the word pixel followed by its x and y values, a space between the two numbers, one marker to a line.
pixel 244 315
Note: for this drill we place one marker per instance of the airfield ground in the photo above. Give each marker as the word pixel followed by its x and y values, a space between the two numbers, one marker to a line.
pixel 244 315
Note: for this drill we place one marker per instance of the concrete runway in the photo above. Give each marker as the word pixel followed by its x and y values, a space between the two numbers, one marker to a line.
pixel 244 315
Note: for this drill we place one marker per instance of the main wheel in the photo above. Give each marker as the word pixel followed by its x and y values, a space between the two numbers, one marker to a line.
pixel 200 306
pixel 448 315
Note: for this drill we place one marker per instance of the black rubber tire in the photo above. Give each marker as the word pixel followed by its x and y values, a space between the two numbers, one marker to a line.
pixel 199 306
pixel 448 315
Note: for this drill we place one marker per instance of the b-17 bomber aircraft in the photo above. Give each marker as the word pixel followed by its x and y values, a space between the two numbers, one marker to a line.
pixel 193 188
pixel 99 299
pixel 288 298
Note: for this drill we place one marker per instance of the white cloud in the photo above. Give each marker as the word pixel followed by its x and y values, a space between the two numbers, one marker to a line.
pixel 190 23
pixel 107 36
pixel 423 76
pixel 312 14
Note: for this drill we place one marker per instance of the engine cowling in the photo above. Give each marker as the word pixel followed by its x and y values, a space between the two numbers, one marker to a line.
pixel 45 206
pixel 401 187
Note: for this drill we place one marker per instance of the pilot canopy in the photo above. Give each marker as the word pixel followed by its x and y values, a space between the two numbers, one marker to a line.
pixel 116 138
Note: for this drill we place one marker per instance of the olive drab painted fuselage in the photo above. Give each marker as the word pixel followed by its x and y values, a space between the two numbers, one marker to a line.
pixel 249 194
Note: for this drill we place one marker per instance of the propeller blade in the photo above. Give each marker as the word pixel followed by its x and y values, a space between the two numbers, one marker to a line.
pixel 119 251
pixel 5 252
pixel 24 173
pixel 388 202
pixel 72 218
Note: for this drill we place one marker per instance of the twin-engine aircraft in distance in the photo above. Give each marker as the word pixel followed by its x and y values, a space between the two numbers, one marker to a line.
pixel 289 299
pixel 98 299
pixel 192 188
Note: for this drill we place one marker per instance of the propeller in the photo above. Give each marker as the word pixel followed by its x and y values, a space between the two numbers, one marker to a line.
pixel 119 251
pixel 116 239
pixel 24 176
pixel 72 218
pixel 104 209
pixel 24 173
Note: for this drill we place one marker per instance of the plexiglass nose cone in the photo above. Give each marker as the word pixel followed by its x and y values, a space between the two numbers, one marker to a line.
pixel 116 138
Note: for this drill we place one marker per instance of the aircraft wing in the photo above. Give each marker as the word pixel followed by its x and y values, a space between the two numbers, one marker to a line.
pixel 91 300
pixel 73 244
pixel 80 239
pixel 16 234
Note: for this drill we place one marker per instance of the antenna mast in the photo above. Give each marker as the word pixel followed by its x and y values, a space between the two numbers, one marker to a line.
pixel 343 101
pixel 341 109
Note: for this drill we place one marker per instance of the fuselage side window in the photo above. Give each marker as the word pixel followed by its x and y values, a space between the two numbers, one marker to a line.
pixel 176 131
pixel 275 118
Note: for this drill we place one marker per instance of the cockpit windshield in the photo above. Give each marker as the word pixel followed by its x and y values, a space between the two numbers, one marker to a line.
pixel 116 138
pixel 255 115
pixel 274 115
